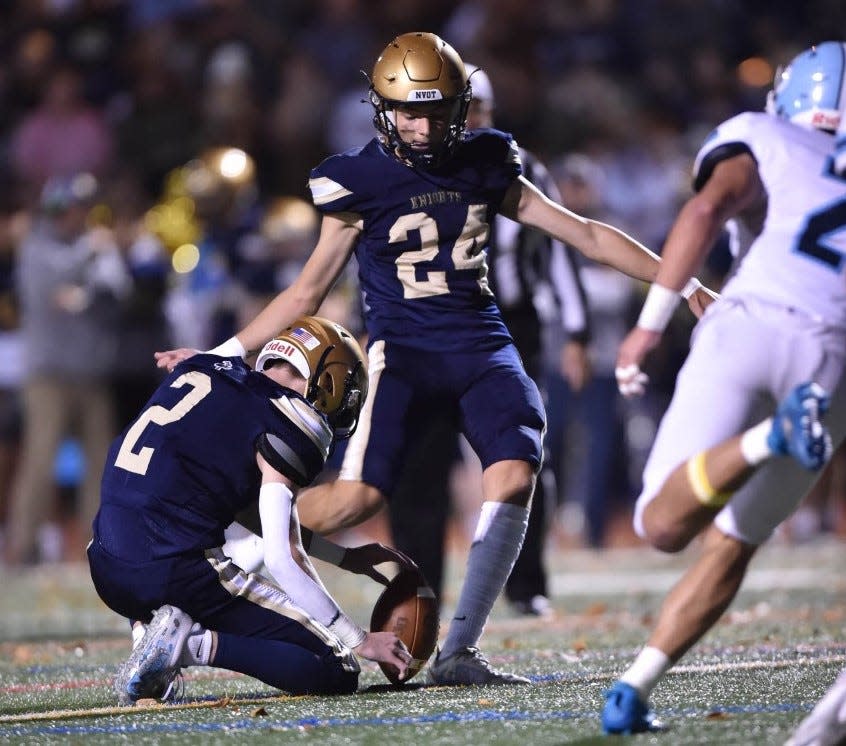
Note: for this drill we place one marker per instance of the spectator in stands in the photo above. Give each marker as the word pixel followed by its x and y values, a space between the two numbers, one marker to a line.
pixel 70 279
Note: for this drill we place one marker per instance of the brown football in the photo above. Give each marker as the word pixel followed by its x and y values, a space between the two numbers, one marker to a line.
pixel 408 608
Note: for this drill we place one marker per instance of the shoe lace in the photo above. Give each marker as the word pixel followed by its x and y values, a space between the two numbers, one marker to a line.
pixel 175 690
pixel 477 655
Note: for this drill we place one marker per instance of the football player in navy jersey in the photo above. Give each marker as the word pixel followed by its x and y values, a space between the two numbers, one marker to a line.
pixel 215 438
pixel 415 206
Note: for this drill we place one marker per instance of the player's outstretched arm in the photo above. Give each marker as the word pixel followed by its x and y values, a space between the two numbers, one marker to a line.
pixel 598 241
pixel 338 235
pixel 734 187
pixel 361 560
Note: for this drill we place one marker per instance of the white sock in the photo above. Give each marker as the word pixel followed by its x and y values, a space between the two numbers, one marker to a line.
pixel 198 647
pixel 499 536
pixel 138 631
pixel 646 671
pixel 753 443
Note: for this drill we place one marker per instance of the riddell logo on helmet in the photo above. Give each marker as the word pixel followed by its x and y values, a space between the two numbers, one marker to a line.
pixel 825 120
pixel 431 94
pixel 283 348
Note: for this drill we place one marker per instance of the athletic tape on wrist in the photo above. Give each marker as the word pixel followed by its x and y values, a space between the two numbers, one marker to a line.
pixel 232 347
pixel 658 308
pixel 690 288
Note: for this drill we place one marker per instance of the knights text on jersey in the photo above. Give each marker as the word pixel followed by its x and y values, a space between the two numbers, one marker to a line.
pixel 182 470
pixel 797 258
pixel 423 246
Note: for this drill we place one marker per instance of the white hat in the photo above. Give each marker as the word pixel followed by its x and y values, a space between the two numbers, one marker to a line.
pixel 480 83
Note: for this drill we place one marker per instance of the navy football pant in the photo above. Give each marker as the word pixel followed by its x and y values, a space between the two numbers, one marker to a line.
pixel 252 638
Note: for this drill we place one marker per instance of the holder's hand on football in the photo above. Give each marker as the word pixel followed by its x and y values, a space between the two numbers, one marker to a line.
pixel 169 359
pixel 386 647
pixel 362 560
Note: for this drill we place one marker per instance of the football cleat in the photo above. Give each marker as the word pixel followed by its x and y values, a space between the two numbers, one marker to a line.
pixel 538 605
pixel 626 713
pixel 826 723
pixel 153 670
pixel 797 430
pixel 468 667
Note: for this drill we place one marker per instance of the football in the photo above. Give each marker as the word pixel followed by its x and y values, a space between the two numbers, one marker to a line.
pixel 408 608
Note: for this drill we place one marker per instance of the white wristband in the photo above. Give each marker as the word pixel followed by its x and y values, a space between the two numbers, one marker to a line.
pixel 658 308
pixel 232 347
pixel 347 631
pixel 692 286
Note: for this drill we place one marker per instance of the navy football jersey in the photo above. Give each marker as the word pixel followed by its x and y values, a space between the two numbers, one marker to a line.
pixel 181 471
pixel 424 236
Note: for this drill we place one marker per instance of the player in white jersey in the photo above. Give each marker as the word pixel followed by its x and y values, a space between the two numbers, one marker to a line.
pixel 779 326
pixel 826 723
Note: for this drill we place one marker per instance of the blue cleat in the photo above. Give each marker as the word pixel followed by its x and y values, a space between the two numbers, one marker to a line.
pixel 797 430
pixel 625 713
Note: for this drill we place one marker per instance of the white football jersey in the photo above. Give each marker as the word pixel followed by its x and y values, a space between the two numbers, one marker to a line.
pixel 798 259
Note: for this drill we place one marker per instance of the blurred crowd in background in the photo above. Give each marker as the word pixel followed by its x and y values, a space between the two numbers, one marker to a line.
pixel 154 158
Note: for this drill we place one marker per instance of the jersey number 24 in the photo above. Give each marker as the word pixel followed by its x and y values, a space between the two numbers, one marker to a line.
pixel 466 252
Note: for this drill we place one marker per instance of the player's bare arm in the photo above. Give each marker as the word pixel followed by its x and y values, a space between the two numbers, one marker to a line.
pixel 338 234
pixel 733 188
pixel 603 243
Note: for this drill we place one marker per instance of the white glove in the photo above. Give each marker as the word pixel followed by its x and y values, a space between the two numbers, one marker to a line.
pixel 631 380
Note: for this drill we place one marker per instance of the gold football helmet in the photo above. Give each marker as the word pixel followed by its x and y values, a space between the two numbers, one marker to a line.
pixel 332 362
pixel 419 68
pixel 220 179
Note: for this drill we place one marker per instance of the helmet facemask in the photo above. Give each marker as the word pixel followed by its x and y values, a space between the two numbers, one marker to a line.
pixel 322 387
pixel 384 121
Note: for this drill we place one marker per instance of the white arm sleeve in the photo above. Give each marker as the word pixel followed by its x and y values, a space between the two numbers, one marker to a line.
pixel 275 510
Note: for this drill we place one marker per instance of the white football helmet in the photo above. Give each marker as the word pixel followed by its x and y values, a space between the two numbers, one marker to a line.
pixel 811 90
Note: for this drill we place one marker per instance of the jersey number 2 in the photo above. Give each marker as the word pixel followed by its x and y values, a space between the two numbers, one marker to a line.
pixel 139 462
pixel 820 226
pixel 466 252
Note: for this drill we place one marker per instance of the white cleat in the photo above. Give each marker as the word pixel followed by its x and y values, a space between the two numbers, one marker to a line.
pixel 826 723
pixel 153 670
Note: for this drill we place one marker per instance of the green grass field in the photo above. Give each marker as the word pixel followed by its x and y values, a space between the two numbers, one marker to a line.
pixel 748 682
